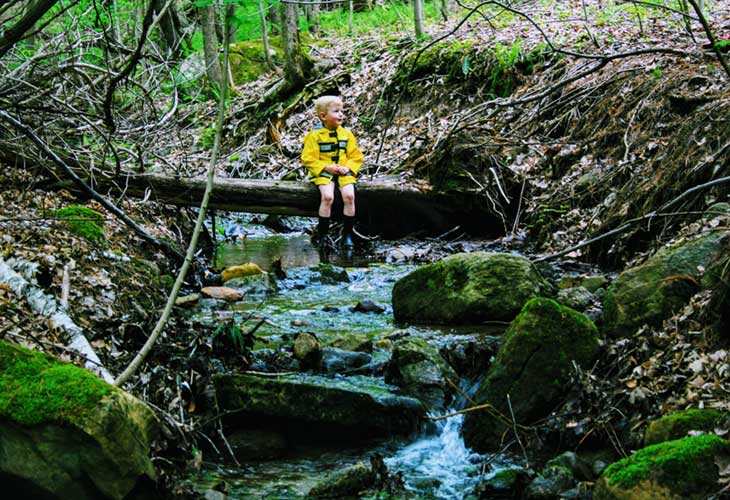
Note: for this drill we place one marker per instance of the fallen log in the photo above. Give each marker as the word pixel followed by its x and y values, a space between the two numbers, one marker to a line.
pixel 387 207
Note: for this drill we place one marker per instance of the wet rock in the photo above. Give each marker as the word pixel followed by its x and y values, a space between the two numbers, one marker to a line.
pixel 420 371
pixel 590 283
pixel 653 291
pixel 341 361
pixel 678 425
pixel 571 461
pixel 327 274
pixel 257 444
pixel 257 285
pixel 272 360
pixel 349 408
pixel 578 298
pixel 344 483
pixel 550 483
pixel 368 306
pixel 214 495
pixel 468 288
pixel 532 367
pixel 471 355
pixel 307 350
pixel 685 468
pixel 506 484
pixel 241 271
pixel 187 301
pixel 222 293
pixel 358 342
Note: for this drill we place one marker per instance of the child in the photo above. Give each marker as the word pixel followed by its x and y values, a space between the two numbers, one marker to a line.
pixel 330 152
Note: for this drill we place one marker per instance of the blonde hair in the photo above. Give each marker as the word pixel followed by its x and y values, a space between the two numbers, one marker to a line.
pixel 322 104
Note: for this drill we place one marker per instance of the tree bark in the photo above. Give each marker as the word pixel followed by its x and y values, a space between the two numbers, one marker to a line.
pixel 16 32
pixel 390 208
pixel 312 10
pixel 294 63
pixel 418 17
pixel 265 37
pixel 210 43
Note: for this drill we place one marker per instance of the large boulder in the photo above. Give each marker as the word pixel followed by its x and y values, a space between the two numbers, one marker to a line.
pixel 683 469
pixel 353 407
pixel 653 291
pixel 468 288
pixel 65 434
pixel 417 367
pixel 678 425
pixel 532 368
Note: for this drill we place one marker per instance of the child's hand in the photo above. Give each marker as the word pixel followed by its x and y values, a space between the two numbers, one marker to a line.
pixel 343 170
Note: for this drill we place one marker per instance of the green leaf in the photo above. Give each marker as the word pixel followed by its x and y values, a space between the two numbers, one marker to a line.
pixel 465 65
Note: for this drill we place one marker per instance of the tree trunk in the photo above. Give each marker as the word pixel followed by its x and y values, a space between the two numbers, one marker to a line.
pixel 210 43
pixel 14 33
pixel 232 23
pixel 169 27
pixel 418 17
pixel 390 208
pixel 265 37
pixel 312 11
pixel 294 63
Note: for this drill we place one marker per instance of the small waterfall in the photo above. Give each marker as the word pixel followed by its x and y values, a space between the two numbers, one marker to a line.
pixel 440 462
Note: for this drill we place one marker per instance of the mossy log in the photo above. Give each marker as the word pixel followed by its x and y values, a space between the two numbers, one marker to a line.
pixel 390 208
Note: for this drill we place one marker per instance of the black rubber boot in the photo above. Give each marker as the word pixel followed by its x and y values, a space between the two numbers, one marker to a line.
pixel 347 235
pixel 321 235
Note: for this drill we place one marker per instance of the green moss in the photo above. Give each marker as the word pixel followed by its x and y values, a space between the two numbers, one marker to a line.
pixel 499 66
pixel 677 425
pixel 83 221
pixel 37 388
pixel 248 60
pixel 688 461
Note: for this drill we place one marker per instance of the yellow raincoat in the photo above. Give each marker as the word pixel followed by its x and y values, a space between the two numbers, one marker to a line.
pixel 324 147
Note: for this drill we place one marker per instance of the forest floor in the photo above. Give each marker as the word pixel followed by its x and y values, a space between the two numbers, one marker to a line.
pixel 576 147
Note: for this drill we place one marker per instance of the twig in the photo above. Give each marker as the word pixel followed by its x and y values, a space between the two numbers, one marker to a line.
pixel 86 188
pixel 628 224
pixel 514 429
pixel 142 354
pixel 710 36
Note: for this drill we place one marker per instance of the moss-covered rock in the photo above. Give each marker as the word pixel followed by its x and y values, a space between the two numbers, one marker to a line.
pixel 467 288
pixel 417 367
pixel 533 368
pixel 66 433
pixel 344 483
pixel 83 221
pixel 248 61
pixel 653 291
pixel 677 425
pixel 354 407
pixel 683 469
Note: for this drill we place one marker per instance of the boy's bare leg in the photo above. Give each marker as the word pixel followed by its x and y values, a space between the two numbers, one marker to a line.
pixel 348 200
pixel 327 196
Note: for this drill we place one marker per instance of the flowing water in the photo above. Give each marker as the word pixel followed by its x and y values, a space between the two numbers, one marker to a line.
pixel 435 465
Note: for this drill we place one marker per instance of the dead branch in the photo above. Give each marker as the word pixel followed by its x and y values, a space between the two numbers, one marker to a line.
pixel 632 222
pixel 147 347
pixel 87 189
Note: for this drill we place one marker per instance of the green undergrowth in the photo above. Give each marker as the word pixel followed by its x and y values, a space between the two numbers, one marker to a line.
pixel 498 68
pixel 82 221
pixel 36 388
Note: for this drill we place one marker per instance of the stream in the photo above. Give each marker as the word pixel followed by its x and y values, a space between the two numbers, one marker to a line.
pixel 434 464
